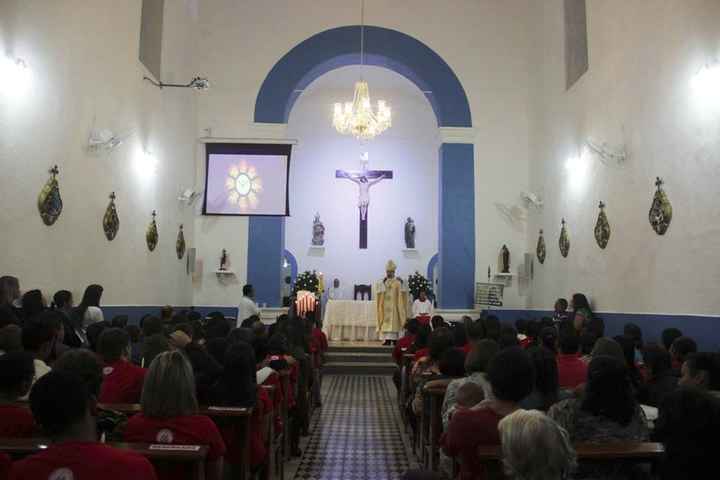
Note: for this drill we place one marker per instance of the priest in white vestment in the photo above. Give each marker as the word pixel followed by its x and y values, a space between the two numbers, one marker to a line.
pixel 391 306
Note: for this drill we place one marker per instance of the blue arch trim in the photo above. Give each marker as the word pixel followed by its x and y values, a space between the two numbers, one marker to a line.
pixel 292 261
pixel 431 266
pixel 339 47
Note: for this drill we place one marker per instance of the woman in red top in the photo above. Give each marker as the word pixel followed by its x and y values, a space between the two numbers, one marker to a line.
pixel 237 387
pixel 17 371
pixel 512 377
pixel 169 415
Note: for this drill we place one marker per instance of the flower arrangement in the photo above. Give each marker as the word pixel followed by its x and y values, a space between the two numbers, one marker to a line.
pixel 307 281
pixel 416 283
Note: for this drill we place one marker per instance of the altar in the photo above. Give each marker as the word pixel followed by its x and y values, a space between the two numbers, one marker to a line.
pixel 350 320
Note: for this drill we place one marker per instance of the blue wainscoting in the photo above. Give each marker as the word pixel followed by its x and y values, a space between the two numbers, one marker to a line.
pixel 705 330
pixel 135 313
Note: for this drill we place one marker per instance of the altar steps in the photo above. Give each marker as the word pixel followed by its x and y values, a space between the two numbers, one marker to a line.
pixel 358 360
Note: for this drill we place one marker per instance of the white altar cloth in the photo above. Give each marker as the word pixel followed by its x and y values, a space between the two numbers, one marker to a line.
pixel 350 320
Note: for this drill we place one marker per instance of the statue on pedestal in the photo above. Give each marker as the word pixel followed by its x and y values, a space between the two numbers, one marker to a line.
pixel 318 238
pixel 505 259
pixel 223 260
pixel 409 233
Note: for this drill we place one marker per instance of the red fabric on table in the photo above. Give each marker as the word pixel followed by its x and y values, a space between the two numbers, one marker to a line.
pixel 83 460
pixel 423 352
pixel 401 347
pixel 186 430
pixel 258 452
pixel 16 421
pixel 122 383
pixel 468 429
pixel 572 371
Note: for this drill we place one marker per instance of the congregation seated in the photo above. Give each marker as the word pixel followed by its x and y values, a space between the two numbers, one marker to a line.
pixel 63 407
pixel 205 368
pixel 668 336
pixel 606 412
pixel 546 389
pixel 476 366
pixel 237 387
pixel 492 327
pixel 508 337
pixel 123 381
pixel 628 347
pixel 702 370
pixel 16 377
pixel 53 320
pixel 420 347
pixel 428 363
pixel 572 371
pixel 169 415
pixel 88 310
pixel 535 447
pixel 450 367
pixel 10 339
pixel 660 379
pixel 511 377
pixel 688 422
pixel 154 341
pixel 37 339
pixel 406 341
pixel 681 348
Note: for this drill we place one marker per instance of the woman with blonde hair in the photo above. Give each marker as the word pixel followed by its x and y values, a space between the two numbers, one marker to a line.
pixel 534 447
pixel 170 415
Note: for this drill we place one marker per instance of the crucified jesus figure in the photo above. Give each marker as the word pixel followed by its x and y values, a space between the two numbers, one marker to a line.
pixel 363 190
pixel 364 179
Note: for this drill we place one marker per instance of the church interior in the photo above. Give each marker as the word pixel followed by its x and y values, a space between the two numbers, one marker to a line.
pixel 363 239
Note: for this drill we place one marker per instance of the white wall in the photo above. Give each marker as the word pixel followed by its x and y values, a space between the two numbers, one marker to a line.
pixel 643 56
pixel 84 61
pixel 409 149
pixel 484 42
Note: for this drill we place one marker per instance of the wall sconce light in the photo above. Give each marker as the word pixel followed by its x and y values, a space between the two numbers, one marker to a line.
pixel 146 164
pixel 706 82
pixel 197 83
pixel 607 155
pixel 15 75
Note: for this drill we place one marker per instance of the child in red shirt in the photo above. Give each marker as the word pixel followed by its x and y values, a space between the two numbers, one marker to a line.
pixel 403 345
pixel 17 370
pixel 169 415
pixel 572 371
pixel 123 381
pixel 511 376
pixel 63 407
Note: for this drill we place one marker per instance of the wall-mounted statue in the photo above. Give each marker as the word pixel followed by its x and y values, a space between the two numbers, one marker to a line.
pixel 410 233
pixel 111 221
pixel 660 214
pixel 318 238
pixel 505 259
pixel 152 236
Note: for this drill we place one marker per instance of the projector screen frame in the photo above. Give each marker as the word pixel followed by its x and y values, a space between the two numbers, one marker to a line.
pixel 280 149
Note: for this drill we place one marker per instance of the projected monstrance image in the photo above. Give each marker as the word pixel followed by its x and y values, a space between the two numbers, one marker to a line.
pixel 243 184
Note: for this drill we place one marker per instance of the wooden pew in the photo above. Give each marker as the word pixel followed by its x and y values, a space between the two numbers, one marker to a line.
pixel 631 452
pixel 431 430
pixel 405 371
pixel 238 415
pixel 194 455
pixel 285 438
pixel 269 435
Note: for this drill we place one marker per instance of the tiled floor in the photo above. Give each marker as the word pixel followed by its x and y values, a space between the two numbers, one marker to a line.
pixel 357 433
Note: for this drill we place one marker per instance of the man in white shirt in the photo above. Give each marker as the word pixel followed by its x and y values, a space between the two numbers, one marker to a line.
pixel 247 307
pixel 422 308
pixel 334 292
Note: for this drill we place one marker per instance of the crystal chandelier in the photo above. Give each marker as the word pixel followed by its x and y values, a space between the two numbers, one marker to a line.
pixel 357 118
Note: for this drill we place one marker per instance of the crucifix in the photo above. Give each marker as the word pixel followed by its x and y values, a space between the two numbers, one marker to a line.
pixel 364 179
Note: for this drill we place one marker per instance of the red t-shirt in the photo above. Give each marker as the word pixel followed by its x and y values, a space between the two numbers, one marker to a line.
pixel 233 439
pixel 320 339
pixel 401 347
pixel 16 422
pixel 468 429
pixel 572 371
pixel 122 383
pixel 81 460
pixel 187 430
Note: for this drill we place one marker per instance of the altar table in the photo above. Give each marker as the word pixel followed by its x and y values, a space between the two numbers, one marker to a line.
pixel 350 320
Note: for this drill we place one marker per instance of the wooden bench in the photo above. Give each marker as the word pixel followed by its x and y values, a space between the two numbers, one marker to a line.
pixel 194 454
pixel 239 416
pixel 405 371
pixel 269 435
pixel 630 452
pixel 431 430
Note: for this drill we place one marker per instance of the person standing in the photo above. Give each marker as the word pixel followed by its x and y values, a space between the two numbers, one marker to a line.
pixel 391 308
pixel 422 308
pixel 247 307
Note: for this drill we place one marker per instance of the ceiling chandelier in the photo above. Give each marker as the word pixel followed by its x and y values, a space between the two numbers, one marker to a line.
pixel 357 118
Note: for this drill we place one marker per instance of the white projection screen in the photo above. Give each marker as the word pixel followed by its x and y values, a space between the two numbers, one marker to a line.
pixel 247 179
